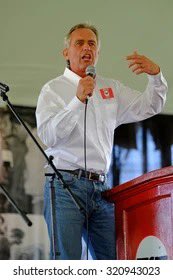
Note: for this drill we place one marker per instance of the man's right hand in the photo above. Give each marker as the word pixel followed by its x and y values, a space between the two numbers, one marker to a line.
pixel 85 88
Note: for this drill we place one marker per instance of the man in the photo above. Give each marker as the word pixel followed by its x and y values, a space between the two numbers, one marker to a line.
pixel 60 122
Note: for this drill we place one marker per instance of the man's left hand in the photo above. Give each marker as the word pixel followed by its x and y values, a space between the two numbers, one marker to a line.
pixel 142 64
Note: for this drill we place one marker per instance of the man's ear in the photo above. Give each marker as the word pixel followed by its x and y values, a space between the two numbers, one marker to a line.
pixel 65 53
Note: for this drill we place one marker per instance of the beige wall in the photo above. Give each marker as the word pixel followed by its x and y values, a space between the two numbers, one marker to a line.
pixel 32 32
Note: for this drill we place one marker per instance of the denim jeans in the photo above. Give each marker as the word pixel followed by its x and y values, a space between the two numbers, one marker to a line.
pixel 71 223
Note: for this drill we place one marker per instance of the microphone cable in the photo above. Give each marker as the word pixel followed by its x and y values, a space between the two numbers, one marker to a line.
pixel 85 163
pixel 90 71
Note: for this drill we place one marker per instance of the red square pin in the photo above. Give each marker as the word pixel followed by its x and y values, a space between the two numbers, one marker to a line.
pixel 106 93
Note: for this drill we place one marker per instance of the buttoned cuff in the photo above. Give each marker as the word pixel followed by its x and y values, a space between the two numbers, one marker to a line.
pixel 75 104
pixel 156 79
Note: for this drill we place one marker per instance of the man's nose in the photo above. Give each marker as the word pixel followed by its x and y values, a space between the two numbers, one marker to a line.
pixel 86 46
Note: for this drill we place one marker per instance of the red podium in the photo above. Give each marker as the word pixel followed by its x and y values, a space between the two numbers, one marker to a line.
pixel 144 216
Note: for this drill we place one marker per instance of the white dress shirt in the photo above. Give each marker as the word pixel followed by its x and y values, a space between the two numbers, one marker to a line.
pixel 60 118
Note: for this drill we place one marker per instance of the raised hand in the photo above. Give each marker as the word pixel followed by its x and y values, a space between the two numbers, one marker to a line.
pixel 141 64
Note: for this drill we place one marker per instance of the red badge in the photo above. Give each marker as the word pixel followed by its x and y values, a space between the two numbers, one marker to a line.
pixel 106 93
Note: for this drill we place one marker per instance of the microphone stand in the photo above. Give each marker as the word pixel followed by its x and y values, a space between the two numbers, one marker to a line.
pixel 3 90
pixel 22 213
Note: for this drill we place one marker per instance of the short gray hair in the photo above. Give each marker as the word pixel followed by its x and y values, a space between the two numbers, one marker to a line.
pixel 78 26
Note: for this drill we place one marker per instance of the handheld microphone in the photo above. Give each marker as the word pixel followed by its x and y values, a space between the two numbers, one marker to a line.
pixel 4 88
pixel 91 71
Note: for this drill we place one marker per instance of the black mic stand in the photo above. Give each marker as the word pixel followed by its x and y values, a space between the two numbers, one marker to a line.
pixel 22 213
pixel 3 90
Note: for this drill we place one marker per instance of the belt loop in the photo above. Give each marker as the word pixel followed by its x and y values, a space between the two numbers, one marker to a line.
pixel 89 176
pixel 79 174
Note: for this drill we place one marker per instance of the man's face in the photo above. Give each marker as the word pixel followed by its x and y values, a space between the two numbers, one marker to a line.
pixel 82 51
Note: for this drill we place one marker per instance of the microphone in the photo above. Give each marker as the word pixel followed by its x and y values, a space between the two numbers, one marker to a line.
pixel 4 88
pixel 91 71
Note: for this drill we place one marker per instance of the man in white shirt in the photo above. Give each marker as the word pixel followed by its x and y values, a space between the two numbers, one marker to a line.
pixel 60 123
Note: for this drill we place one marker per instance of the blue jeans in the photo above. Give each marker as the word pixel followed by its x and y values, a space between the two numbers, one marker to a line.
pixel 71 223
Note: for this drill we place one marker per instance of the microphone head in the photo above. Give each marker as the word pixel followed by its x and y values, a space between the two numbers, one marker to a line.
pixel 91 71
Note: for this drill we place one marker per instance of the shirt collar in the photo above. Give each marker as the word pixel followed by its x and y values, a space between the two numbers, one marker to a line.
pixel 73 77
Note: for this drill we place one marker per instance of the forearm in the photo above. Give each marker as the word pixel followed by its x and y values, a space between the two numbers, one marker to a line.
pixel 135 106
pixel 157 89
